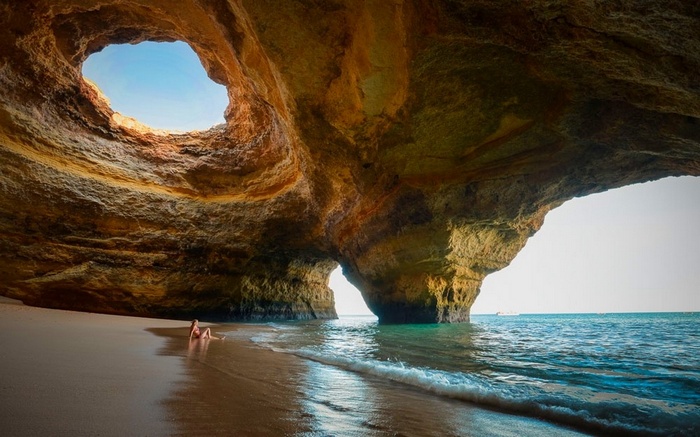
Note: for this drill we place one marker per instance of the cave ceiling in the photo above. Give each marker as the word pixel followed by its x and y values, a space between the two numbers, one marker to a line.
pixel 417 143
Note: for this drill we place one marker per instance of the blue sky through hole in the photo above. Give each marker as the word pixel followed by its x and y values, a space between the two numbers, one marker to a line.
pixel 636 248
pixel 162 85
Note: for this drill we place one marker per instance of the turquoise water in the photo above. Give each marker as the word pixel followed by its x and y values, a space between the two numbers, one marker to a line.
pixel 635 374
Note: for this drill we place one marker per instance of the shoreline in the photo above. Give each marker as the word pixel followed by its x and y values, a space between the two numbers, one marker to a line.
pixel 74 373
pixel 236 385
pixel 68 373
pixel 233 386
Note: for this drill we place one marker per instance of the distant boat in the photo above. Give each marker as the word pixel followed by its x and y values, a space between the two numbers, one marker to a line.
pixel 507 313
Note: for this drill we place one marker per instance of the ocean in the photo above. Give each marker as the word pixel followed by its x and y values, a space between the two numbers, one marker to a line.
pixel 603 374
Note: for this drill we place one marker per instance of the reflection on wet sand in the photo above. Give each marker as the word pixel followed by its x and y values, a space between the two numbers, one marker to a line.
pixel 197 349
pixel 233 387
pixel 237 388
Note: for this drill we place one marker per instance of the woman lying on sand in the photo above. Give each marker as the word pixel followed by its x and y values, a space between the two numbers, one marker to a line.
pixel 197 333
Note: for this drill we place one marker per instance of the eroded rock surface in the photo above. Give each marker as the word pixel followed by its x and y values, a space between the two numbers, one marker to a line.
pixel 418 144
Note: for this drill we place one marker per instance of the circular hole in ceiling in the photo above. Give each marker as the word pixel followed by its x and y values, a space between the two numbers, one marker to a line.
pixel 160 85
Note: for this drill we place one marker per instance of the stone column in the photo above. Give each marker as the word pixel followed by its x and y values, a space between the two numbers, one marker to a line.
pixel 428 272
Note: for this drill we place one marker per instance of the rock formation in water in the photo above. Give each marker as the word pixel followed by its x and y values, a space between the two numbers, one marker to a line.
pixel 417 143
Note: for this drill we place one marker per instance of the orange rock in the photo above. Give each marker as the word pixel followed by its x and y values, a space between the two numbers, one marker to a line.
pixel 418 144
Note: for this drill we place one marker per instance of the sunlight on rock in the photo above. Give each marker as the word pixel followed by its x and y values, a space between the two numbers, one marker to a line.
pixel 422 145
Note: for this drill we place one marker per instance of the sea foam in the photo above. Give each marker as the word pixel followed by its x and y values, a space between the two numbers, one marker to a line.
pixel 598 395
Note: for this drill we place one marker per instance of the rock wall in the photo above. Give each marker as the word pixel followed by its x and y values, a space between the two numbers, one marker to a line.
pixel 418 144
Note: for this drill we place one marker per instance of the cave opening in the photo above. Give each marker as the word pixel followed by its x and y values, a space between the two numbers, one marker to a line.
pixel 631 249
pixel 348 299
pixel 161 85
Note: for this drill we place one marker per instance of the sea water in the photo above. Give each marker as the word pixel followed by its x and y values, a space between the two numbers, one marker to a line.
pixel 632 374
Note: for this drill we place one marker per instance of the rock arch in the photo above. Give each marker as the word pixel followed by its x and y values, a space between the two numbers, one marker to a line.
pixel 418 145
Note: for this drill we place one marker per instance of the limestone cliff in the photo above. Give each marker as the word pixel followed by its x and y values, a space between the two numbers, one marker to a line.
pixel 418 144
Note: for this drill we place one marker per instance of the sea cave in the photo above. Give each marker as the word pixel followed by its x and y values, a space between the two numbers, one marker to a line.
pixel 416 144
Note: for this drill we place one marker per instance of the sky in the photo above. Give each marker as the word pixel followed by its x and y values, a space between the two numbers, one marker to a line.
pixel 632 249
pixel 163 85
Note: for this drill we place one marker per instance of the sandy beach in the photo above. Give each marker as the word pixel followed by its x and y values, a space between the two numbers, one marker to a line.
pixel 71 373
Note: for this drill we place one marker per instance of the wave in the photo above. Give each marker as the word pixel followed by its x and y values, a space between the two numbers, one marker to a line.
pixel 615 413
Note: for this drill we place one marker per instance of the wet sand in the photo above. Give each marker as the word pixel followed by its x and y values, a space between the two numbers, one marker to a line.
pixel 65 373
pixel 233 387
pixel 71 373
